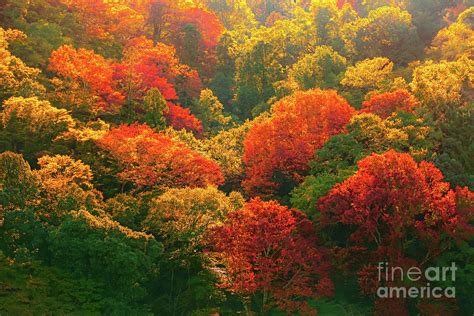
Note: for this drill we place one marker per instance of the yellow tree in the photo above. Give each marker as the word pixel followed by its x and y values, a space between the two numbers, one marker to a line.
pixel 66 185
pixel 370 76
pixel 375 73
pixel 16 78
pixel 445 85
pixel 29 125
pixel 227 149
pixel 454 41
pixel 182 216
pixel 387 32
pixel 320 69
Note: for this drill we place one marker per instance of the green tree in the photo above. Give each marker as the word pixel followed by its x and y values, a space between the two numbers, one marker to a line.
pixel 154 105
pixel 261 60
pixel 100 248
pixel 18 183
pixel 209 110
pixel 428 17
pixel 457 147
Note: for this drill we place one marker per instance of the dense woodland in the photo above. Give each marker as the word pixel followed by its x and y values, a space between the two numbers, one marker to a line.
pixel 223 157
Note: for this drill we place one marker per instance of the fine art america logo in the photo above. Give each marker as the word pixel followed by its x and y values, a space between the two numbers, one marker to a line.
pixel 395 274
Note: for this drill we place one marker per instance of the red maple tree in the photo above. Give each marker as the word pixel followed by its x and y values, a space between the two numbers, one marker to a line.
pixel 278 149
pixel 270 249
pixel 384 104
pixel 206 22
pixel 181 118
pixel 145 66
pixel 390 205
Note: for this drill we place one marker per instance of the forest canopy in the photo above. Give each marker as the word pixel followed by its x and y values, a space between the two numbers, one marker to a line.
pixel 226 157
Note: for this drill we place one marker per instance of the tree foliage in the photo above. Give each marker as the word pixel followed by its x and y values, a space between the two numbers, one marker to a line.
pixel 443 86
pixel 394 210
pixel 30 125
pixel 223 157
pixel 148 159
pixel 277 150
pixel 385 104
pixel 85 80
pixel 16 78
pixel 269 248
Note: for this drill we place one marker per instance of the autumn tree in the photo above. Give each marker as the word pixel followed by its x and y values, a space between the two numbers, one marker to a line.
pixel 369 5
pixel 149 159
pixel 227 148
pixel 385 104
pixel 324 15
pixel 443 86
pixel 375 73
pixel 369 37
pixel 29 125
pixel 408 201
pixel 85 81
pixel 233 14
pixel 269 249
pixel 209 110
pixel 182 216
pixel 146 65
pixel 195 33
pixel 16 78
pixel 320 69
pixel 453 42
pixel 366 133
pixel 157 14
pixel 130 128
pixel 181 118
pixel 277 150
pixel 370 75
pixel 106 21
pixel 66 185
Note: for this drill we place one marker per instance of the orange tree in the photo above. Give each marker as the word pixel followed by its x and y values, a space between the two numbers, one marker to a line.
pixel 148 158
pixel 277 150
